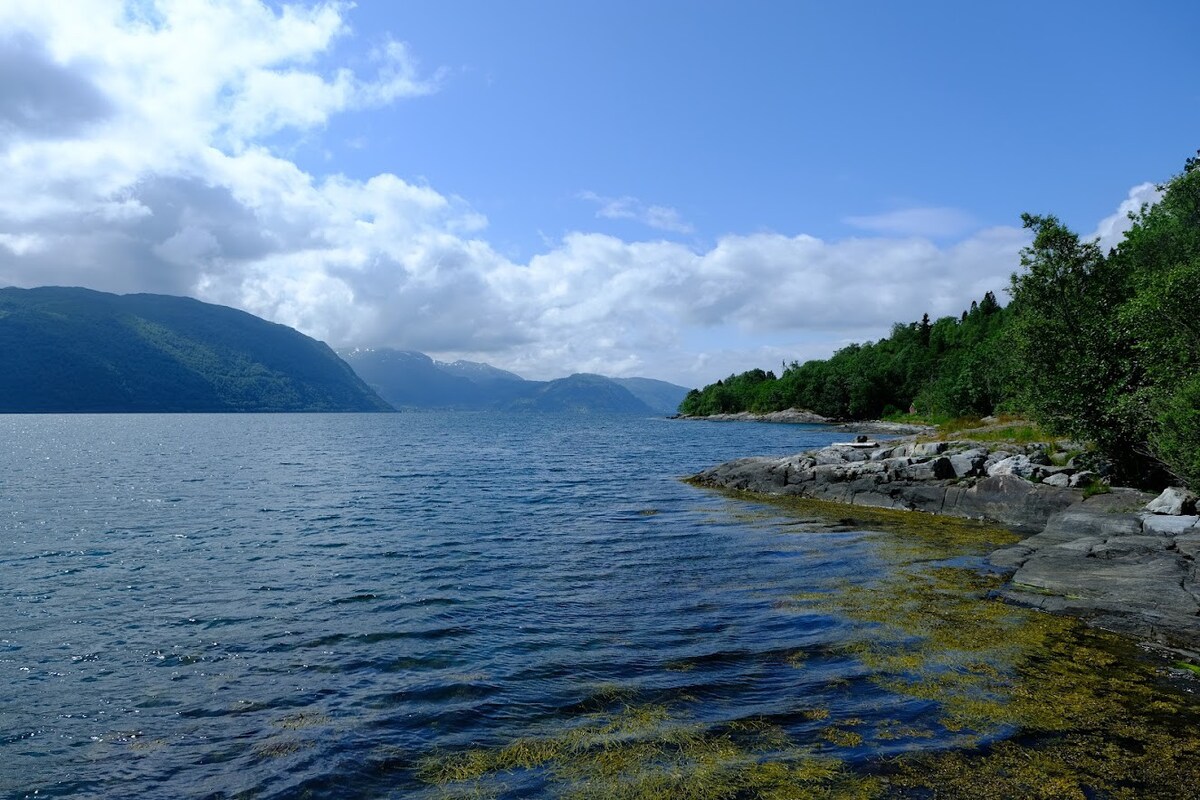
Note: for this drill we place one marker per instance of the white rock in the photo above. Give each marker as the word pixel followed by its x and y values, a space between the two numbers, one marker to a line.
pixel 1173 501
pixel 1013 465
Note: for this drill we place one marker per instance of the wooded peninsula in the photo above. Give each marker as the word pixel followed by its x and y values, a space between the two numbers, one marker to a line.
pixel 1100 347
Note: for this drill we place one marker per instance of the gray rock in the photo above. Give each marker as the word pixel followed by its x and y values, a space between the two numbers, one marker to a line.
pixel 1018 465
pixel 1123 546
pixel 1010 557
pixel 1080 521
pixel 1151 582
pixel 1057 479
pixel 932 470
pixel 928 448
pixel 1168 526
pixel 1012 501
pixel 1173 501
pixel 1083 478
pixel 1084 544
pixel 1188 545
pixel 968 464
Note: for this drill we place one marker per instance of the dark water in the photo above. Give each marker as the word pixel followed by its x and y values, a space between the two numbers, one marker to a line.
pixel 290 606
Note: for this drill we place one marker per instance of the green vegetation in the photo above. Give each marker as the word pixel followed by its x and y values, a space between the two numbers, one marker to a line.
pixel 75 350
pixel 951 367
pixel 1095 347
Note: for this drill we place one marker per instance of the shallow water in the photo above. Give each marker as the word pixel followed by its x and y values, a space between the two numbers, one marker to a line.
pixel 382 605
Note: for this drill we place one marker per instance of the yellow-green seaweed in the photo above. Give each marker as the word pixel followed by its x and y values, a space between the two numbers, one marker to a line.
pixel 1024 704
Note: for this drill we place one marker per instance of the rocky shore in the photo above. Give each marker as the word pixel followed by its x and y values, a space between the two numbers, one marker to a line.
pixel 791 415
pixel 799 416
pixel 1121 559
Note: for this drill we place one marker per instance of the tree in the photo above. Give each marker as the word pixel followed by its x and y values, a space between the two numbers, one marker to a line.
pixel 1073 366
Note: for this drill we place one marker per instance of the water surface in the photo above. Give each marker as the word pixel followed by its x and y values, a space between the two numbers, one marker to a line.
pixel 382 605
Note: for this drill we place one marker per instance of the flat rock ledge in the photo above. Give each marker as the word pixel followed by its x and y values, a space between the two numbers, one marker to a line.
pixel 1105 558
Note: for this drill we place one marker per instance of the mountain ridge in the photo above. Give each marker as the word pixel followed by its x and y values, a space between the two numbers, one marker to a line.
pixel 77 350
pixel 411 379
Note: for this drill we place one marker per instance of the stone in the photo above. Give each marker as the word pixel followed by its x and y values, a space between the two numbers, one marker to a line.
pixel 1010 557
pixel 1173 501
pixel 933 470
pixel 1083 521
pixel 1168 526
pixel 1018 465
pixel 1148 582
pixel 928 448
pixel 1123 546
pixel 1057 479
pixel 1083 478
pixel 969 464
pixel 1188 545
pixel 1014 502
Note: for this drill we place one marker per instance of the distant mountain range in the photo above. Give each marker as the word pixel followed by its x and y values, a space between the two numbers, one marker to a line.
pixel 77 350
pixel 408 379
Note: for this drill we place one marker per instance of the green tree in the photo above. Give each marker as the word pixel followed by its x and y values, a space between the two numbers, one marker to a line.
pixel 1074 367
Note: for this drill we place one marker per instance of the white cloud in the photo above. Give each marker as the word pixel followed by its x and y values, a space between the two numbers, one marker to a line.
pixel 658 217
pixel 1112 229
pixel 935 223
pixel 163 179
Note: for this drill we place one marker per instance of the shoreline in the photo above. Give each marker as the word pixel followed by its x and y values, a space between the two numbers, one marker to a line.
pixel 797 416
pixel 1119 559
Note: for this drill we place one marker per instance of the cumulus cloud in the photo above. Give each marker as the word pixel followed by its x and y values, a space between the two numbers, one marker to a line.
pixel 1112 229
pixel 659 217
pixel 152 169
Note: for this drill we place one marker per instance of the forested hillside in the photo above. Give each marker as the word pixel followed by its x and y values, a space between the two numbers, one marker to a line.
pixel 950 366
pixel 77 350
pixel 1100 347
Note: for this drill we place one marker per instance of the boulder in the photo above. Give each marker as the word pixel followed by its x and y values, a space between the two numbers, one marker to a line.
pixel 1018 465
pixel 1012 501
pixel 968 464
pixel 1163 525
pixel 932 470
pixel 1173 501
pixel 1083 478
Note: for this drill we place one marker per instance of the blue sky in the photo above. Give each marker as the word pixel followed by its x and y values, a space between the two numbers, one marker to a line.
pixel 671 189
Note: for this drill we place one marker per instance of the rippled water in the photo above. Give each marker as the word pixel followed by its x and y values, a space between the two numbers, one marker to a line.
pixel 316 606
pixel 212 604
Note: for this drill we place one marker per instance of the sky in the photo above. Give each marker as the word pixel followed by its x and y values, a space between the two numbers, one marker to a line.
pixel 660 188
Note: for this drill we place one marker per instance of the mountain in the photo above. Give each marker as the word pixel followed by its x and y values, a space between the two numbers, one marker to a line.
pixel 477 372
pixel 409 379
pixel 579 393
pixel 77 350
pixel 662 397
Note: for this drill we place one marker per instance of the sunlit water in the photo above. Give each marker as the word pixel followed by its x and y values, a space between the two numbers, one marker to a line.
pixel 316 605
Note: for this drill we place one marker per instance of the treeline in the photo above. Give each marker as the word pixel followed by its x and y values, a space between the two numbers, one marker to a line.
pixel 954 366
pixel 1099 347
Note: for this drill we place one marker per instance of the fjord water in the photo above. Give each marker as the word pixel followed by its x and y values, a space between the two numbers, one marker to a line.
pixel 210 604
pixel 326 605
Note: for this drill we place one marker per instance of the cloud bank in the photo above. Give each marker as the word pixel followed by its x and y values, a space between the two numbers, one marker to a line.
pixel 137 160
